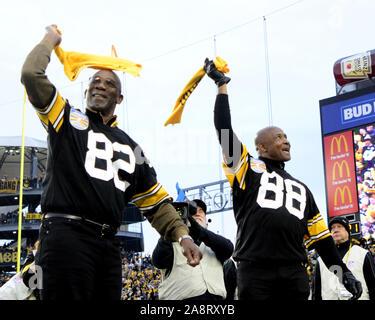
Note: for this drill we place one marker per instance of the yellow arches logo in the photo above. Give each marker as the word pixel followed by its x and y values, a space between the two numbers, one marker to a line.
pixel 341 191
pixel 340 166
pixel 338 144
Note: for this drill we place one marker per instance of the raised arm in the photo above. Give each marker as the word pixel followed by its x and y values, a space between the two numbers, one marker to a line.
pixel 39 89
pixel 230 144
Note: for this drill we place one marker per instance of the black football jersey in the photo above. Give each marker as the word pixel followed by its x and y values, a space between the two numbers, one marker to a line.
pixel 276 214
pixel 94 169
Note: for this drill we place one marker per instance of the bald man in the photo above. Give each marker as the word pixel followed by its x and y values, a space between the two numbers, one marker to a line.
pixel 276 215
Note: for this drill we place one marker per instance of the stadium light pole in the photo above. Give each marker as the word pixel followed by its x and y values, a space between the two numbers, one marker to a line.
pixel 269 103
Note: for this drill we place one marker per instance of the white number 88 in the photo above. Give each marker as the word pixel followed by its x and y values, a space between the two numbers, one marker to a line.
pixel 278 189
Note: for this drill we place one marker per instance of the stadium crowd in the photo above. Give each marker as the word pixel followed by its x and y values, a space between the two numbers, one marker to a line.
pixel 10 217
pixel 140 279
pixel 364 144
pixel 29 183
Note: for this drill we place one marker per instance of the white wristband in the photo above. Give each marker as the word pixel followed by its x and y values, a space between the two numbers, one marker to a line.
pixel 185 236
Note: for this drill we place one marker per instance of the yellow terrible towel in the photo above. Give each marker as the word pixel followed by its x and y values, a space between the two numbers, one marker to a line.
pixel 175 117
pixel 74 62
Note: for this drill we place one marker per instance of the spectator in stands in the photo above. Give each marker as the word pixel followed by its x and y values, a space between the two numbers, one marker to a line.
pixel 182 282
pixel 363 243
pixel 140 282
pixel 34 182
pixel 26 183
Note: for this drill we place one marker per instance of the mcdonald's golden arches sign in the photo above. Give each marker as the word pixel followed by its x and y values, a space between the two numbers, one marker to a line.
pixel 340 174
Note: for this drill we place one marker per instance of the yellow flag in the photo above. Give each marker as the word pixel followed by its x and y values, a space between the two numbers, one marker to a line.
pixel 175 117
pixel 74 62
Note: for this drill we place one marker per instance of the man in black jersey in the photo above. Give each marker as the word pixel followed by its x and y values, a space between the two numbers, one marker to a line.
pixel 276 214
pixel 93 170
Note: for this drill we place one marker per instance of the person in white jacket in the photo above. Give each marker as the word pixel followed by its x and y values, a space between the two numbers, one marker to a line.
pixel 358 260
pixel 182 282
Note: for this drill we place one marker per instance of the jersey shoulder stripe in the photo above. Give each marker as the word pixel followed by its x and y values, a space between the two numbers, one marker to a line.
pixel 154 189
pixel 148 200
pixel 53 113
pixel 239 171
pixel 317 230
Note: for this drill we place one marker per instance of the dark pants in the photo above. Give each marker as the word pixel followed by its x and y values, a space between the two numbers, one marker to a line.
pixel 77 263
pixel 205 296
pixel 272 282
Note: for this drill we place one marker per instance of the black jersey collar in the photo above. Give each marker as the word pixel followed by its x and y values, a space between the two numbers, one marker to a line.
pixel 343 247
pixel 273 164
pixel 96 116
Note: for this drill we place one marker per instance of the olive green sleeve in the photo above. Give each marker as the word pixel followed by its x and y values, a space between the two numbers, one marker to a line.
pixel 167 222
pixel 39 89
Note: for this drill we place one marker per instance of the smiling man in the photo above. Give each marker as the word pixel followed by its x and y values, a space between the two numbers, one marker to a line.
pixel 93 170
pixel 104 93
pixel 276 215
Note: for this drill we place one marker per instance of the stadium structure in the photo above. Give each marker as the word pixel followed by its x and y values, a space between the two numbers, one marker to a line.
pixel 130 233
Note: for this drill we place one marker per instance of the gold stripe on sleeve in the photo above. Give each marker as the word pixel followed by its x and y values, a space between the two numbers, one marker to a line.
pixel 151 198
pixel 53 113
pixel 239 172
pixel 317 230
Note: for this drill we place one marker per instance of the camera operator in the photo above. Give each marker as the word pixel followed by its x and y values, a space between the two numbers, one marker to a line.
pixel 181 281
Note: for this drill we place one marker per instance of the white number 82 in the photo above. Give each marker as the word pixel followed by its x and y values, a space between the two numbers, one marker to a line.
pixel 112 168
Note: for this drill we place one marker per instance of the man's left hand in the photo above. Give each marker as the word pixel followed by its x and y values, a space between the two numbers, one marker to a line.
pixel 352 285
pixel 191 252
pixel 219 77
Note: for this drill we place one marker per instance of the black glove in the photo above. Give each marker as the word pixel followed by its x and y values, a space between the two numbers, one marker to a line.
pixel 352 285
pixel 196 231
pixel 215 74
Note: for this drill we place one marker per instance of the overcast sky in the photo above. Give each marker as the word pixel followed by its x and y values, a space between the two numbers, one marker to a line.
pixel 171 39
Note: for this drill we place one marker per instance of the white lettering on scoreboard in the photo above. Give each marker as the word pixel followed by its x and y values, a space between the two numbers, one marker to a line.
pixel 350 113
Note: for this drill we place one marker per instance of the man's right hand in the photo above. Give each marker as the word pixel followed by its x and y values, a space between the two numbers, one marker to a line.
pixel 191 252
pixel 53 35
pixel 215 74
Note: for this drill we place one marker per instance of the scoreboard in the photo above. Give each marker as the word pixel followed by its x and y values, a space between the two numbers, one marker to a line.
pixel 348 139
